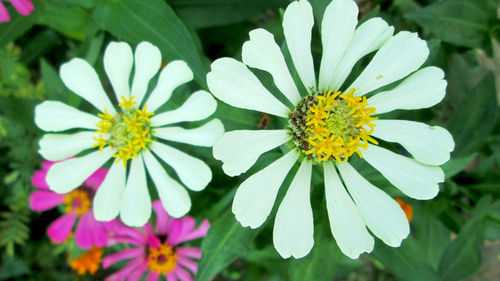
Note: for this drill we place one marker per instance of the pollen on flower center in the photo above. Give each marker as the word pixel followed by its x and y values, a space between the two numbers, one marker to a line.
pixel 78 201
pixel 327 126
pixel 163 259
pixel 129 131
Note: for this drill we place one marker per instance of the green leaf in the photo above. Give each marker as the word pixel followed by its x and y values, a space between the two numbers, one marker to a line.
pixel 405 262
pixel 432 236
pixel 13 267
pixel 460 22
pixel 319 7
pixel 72 21
pixel 210 13
pixel 225 241
pixel 474 118
pixel 17 26
pixel 463 256
pixel 154 21
pixel 321 263
pixel 456 165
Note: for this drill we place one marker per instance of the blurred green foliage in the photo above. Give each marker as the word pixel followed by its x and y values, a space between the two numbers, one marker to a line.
pixel 449 233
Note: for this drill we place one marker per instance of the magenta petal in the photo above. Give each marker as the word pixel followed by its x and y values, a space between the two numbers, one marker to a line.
pixel 47 164
pixel 162 219
pixel 187 263
pixel 194 253
pixel 4 14
pixel 153 241
pixel 117 230
pixel 153 276
pixel 125 254
pixel 182 230
pixel 95 180
pixel 137 274
pixel 99 233
pixel 200 231
pixel 148 228
pixel 182 274
pixel 171 276
pixel 38 179
pixel 60 229
pixel 176 230
pixel 83 234
pixel 125 272
pixel 44 200
pixel 24 7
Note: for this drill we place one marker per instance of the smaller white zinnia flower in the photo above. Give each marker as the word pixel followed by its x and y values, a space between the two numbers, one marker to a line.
pixel 130 134
pixel 329 125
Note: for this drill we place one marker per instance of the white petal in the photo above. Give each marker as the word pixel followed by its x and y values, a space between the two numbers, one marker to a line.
pixel 57 147
pixel 346 223
pixel 56 116
pixel 108 197
pixel 337 28
pixel 399 56
pixel 428 144
pixel 198 106
pixel 416 180
pixel 80 77
pixel 382 214
pixel 422 89
pixel 136 206
pixel 297 24
pixel 255 197
pixel 368 37
pixel 293 227
pixel 65 176
pixel 239 150
pixel 173 196
pixel 172 76
pixel 201 136
pixel 118 61
pixel 193 172
pixel 262 52
pixel 232 82
pixel 147 64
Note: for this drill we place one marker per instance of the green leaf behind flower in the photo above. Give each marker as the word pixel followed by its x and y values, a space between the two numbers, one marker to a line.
pixel 154 21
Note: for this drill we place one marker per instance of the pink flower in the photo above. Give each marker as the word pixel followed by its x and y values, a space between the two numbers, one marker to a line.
pixel 158 253
pixel 77 204
pixel 24 7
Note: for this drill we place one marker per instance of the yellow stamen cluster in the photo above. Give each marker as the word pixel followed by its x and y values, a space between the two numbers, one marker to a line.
pixel 128 131
pixel 163 259
pixel 336 126
pixel 77 201
pixel 89 261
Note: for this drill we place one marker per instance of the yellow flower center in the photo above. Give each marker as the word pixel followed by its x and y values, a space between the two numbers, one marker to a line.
pixel 89 261
pixel 77 201
pixel 328 126
pixel 163 259
pixel 129 131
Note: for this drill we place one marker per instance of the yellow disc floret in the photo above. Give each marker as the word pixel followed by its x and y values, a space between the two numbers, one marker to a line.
pixel 77 201
pixel 332 125
pixel 129 131
pixel 89 261
pixel 162 259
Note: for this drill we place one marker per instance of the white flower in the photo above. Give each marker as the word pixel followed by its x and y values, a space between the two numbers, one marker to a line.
pixel 130 134
pixel 328 126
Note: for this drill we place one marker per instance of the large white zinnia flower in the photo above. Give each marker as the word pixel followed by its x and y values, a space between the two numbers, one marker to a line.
pixel 327 126
pixel 129 134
